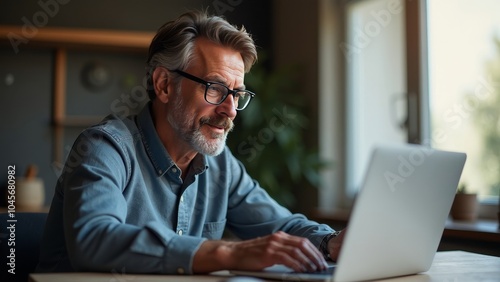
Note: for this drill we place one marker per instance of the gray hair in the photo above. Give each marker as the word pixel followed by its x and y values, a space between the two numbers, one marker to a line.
pixel 173 45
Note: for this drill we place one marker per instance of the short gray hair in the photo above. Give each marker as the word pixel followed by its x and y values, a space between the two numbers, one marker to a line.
pixel 173 45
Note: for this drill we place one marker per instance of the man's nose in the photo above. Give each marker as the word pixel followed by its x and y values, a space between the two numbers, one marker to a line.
pixel 227 107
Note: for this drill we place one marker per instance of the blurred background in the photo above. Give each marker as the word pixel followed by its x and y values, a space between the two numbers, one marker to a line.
pixel 339 75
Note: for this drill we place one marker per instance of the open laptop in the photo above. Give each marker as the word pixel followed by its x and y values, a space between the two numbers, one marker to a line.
pixel 397 219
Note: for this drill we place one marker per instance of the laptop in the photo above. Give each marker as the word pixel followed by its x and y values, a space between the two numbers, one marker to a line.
pixel 397 220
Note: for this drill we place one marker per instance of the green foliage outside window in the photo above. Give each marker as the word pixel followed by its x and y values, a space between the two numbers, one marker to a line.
pixel 487 117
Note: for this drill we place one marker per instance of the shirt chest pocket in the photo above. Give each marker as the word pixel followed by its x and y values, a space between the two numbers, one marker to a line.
pixel 214 230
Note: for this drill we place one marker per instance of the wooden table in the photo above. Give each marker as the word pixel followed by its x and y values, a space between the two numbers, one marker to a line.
pixel 447 266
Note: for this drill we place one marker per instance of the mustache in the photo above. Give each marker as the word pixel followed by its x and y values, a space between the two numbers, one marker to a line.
pixel 222 122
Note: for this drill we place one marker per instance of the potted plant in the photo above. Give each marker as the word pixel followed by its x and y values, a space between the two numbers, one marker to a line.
pixel 465 205
pixel 270 136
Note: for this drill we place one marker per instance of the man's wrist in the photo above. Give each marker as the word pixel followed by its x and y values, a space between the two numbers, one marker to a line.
pixel 324 244
pixel 213 255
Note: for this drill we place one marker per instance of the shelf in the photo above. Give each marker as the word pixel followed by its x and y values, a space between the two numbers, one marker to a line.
pixel 480 230
pixel 72 38
pixel 61 40
pixel 483 230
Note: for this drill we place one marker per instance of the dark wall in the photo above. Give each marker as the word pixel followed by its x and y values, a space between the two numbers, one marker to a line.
pixel 26 134
pixel 25 106
pixel 133 14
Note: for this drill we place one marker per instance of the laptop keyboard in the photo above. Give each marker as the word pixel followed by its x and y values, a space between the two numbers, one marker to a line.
pixel 329 270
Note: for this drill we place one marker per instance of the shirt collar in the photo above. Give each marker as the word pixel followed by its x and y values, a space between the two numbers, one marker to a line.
pixel 157 153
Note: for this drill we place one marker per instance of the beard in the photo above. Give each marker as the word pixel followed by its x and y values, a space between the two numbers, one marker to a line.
pixel 190 131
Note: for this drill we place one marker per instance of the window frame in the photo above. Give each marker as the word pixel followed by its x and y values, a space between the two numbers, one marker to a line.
pixel 418 120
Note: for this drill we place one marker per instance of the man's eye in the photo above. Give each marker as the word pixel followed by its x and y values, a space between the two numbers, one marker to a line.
pixel 215 90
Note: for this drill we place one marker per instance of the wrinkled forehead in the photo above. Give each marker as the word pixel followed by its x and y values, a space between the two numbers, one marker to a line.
pixel 219 62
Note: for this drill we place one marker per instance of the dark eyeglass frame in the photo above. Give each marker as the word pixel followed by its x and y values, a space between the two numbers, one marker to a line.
pixel 208 84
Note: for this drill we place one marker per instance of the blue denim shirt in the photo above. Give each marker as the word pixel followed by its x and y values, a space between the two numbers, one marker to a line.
pixel 121 205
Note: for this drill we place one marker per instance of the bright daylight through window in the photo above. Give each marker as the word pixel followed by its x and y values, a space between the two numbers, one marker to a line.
pixel 464 87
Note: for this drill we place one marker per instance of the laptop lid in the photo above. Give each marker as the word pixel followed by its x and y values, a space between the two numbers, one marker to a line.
pixel 398 216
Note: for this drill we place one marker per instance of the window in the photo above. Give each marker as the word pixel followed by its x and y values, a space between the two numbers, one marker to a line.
pixel 464 87
pixel 376 81
pixel 419 71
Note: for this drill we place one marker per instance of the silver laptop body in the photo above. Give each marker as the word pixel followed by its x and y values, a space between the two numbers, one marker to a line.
pixel 397 219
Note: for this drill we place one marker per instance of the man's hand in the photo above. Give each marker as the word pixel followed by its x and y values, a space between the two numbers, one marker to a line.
pixel 335 244
pixel 279 248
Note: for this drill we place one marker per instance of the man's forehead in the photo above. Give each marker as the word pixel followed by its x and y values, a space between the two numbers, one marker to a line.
pixel 210 54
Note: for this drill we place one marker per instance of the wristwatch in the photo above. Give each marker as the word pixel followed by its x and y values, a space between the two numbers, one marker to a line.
pixel 324 243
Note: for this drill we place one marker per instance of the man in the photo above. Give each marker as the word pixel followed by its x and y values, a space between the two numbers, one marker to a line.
pixel 153 193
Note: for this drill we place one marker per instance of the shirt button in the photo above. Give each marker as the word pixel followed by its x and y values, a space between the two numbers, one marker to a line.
pixel 174 170
pixel 182 198
pixel 179 232
pixel 180 270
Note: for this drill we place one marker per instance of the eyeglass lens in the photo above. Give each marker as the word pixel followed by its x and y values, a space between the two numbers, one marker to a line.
pixel 217 93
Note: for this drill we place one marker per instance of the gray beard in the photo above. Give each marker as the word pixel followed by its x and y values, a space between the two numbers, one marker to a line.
pixel 183 126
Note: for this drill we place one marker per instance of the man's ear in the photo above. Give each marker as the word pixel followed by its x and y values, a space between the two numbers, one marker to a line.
pixel 161 81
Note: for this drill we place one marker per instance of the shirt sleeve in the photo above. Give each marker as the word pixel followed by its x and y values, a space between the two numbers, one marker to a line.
pixel 253 213
pixel 98 237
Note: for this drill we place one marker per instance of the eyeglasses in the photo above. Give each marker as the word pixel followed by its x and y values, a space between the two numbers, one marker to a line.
pixel 216 93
